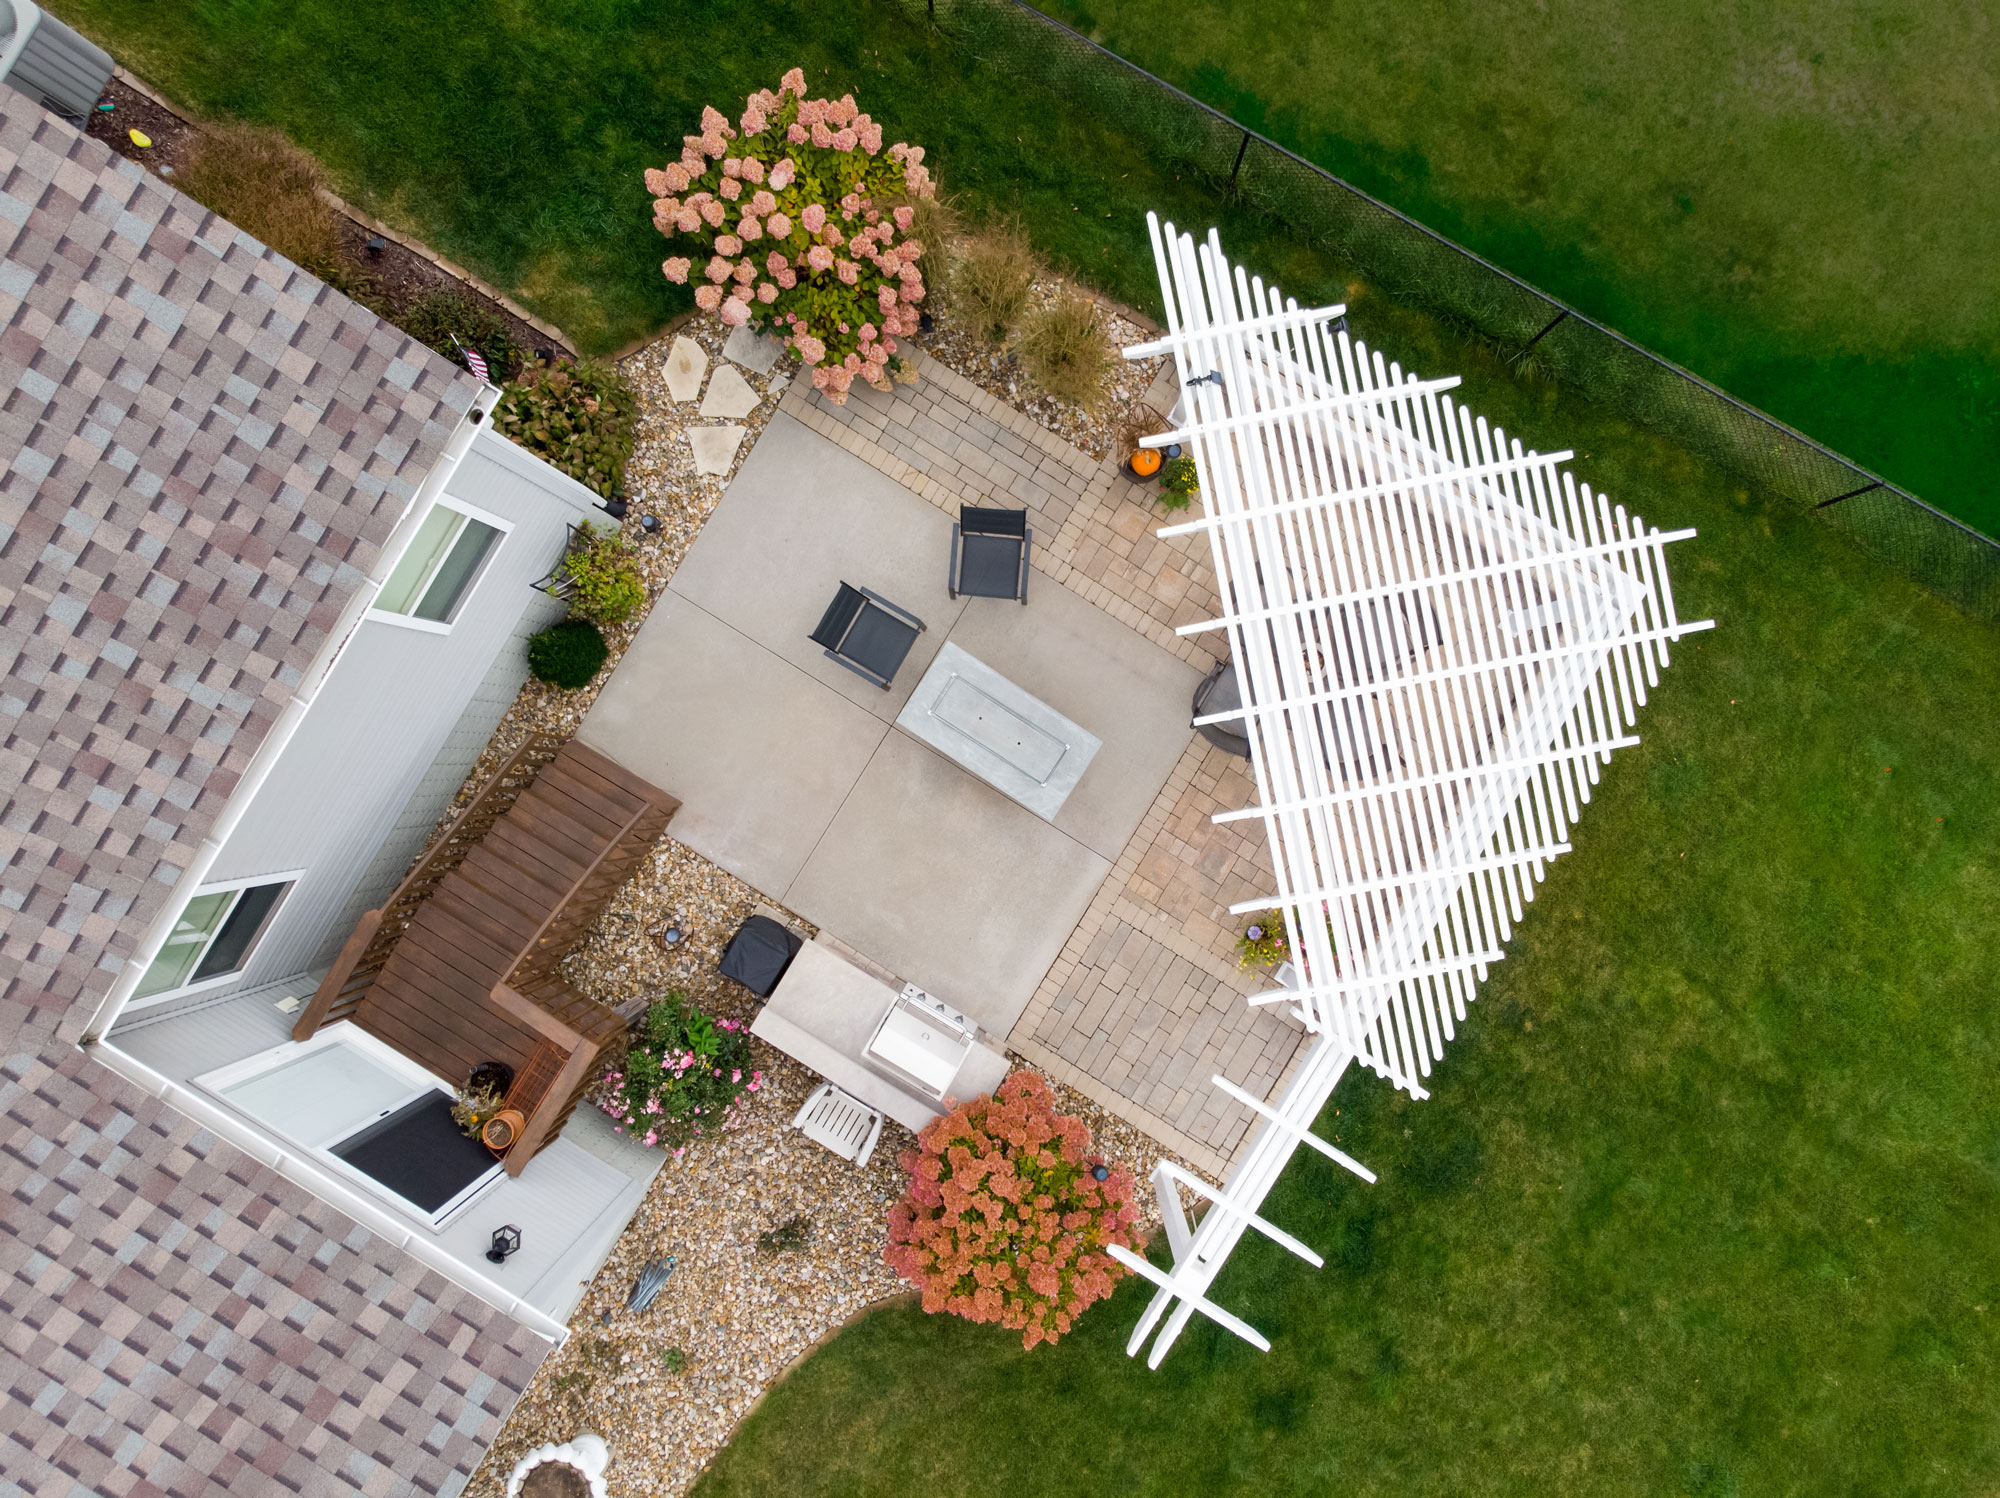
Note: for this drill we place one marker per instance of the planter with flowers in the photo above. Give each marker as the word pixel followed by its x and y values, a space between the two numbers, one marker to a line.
pixel 802 223
pixel 1008 1214
pixel 1262 943
pixel 685 1074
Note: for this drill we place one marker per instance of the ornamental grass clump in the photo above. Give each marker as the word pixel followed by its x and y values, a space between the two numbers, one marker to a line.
pixel 991 279
pixel 261 182
pixel 576 416
pixel 1065 350
pixel 804 223
pixel 685 1075
pixel 1004 1219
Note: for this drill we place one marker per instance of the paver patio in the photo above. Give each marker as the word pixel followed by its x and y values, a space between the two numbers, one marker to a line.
pixel 793 776
pixel 1098 946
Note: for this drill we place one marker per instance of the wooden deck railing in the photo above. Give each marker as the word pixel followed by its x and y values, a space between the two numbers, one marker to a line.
pixel 366 950
pixel 462 964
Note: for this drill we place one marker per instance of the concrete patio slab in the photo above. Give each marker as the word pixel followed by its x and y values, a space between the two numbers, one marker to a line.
pixel 801 517
pixel 1111 679
pixel 760 754
pixel 946 882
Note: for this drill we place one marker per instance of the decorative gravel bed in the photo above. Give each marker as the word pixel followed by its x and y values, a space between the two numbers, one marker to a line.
pixel 995 369
pixel 668 1385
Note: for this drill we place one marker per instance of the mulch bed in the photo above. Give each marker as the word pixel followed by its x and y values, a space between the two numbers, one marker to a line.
pixel 403 274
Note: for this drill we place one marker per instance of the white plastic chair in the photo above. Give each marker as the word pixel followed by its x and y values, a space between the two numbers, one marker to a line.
pixel 845 1125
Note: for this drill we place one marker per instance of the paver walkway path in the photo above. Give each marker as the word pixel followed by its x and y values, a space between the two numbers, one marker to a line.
pixel 1145 1002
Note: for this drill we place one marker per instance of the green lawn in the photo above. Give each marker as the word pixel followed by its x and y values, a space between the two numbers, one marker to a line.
pixel 1800 202
pixel 1725 1221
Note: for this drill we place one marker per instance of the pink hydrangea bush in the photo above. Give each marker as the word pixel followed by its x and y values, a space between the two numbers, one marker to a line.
pixel 797 231
pixel 685 1075
pixel 1004 1219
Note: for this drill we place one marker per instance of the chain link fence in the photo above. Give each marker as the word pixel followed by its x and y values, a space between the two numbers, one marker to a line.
pixel 1414 263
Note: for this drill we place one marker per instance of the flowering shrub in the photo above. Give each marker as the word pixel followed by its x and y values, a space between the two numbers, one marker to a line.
pixel 577 416
pixel 1262 943
pixel 1004 1219
pixel 795 216
pixel 686 1075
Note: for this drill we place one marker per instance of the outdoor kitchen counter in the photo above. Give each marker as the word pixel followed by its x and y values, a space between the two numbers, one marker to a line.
pixel 823 1013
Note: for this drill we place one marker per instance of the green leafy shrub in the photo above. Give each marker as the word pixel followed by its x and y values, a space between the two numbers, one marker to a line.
pixel 1065 351
pixel 1005 1219
pixel 1178 483
pixel 577 416
pixel 990 280
pixel 600 577
pixel 436 316
pixel 568 654
pixel 685 1075
pixel 261 182
pixel 797 216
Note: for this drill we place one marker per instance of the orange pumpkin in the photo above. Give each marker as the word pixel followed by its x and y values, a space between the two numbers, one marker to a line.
pixel 1146 462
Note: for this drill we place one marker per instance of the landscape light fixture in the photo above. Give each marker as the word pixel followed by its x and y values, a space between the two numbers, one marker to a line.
pixel 376 244
pixel 506 1241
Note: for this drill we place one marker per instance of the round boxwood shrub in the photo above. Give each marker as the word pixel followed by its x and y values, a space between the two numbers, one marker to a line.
pixel 567 654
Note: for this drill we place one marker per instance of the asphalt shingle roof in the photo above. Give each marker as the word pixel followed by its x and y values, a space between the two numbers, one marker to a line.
pixel 202 449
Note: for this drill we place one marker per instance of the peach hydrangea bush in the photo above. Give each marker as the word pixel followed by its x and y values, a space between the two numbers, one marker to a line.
pixel 802 221
pixel 1005 1220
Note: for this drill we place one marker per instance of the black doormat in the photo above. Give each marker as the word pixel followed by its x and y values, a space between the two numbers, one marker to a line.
pixel 418 1153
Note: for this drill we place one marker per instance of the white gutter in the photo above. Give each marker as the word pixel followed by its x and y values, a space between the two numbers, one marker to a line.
pixel 268 753
pixel 335 1193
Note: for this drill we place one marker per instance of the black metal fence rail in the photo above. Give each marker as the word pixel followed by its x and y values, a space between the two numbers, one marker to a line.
pixel 1418 264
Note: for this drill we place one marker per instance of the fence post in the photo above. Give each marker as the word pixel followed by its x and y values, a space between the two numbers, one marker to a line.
pixel 1239 158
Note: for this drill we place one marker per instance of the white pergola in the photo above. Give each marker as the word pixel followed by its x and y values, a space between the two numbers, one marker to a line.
pixel 1439 637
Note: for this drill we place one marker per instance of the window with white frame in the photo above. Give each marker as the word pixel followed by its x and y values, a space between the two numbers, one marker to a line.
pixel 436 574
pixel 214 936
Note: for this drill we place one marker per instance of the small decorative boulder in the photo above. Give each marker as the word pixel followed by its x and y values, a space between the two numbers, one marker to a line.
pixel 574 1470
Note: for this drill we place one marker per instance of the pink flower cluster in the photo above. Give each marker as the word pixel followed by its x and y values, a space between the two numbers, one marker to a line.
pixel 685 1075
pixel 787 209
pixel 1004 1221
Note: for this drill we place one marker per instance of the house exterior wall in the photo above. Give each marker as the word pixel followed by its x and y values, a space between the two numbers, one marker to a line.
pixel 390 735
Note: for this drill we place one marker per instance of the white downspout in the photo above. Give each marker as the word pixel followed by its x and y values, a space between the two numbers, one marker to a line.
pixel 303 697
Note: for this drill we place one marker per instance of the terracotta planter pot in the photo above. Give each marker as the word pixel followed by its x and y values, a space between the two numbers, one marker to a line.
pixel 502 1130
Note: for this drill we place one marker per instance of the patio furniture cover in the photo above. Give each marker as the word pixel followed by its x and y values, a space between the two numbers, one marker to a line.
pixel 989 554
pixel 867 634
pixel 759 953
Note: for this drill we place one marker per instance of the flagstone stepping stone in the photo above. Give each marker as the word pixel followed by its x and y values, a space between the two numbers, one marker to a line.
pixel 729 394
pixel 714 447
pixel 755 351
pixel 686 364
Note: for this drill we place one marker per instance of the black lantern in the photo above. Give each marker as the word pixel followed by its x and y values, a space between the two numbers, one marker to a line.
pixel 506 1240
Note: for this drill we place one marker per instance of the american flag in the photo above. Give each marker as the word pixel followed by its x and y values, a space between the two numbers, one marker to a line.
pixel 472 360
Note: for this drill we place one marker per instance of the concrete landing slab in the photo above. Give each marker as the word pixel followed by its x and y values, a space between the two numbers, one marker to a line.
pixel 800 518
pixel 948 883
pixel 760 754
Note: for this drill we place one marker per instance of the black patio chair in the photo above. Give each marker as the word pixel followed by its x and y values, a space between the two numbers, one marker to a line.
pixel 989 554
pixel 867 634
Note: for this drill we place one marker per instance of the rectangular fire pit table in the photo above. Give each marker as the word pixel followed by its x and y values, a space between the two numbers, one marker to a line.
pixel 1016 743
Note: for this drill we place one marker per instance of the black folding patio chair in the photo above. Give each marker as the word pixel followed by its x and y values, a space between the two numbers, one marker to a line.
pixel 867 634
pixel 989 554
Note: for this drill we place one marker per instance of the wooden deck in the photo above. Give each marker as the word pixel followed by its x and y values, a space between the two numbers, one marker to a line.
pixel 462 964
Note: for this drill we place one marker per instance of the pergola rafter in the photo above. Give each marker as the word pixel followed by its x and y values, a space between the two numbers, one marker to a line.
pixel 1439 639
